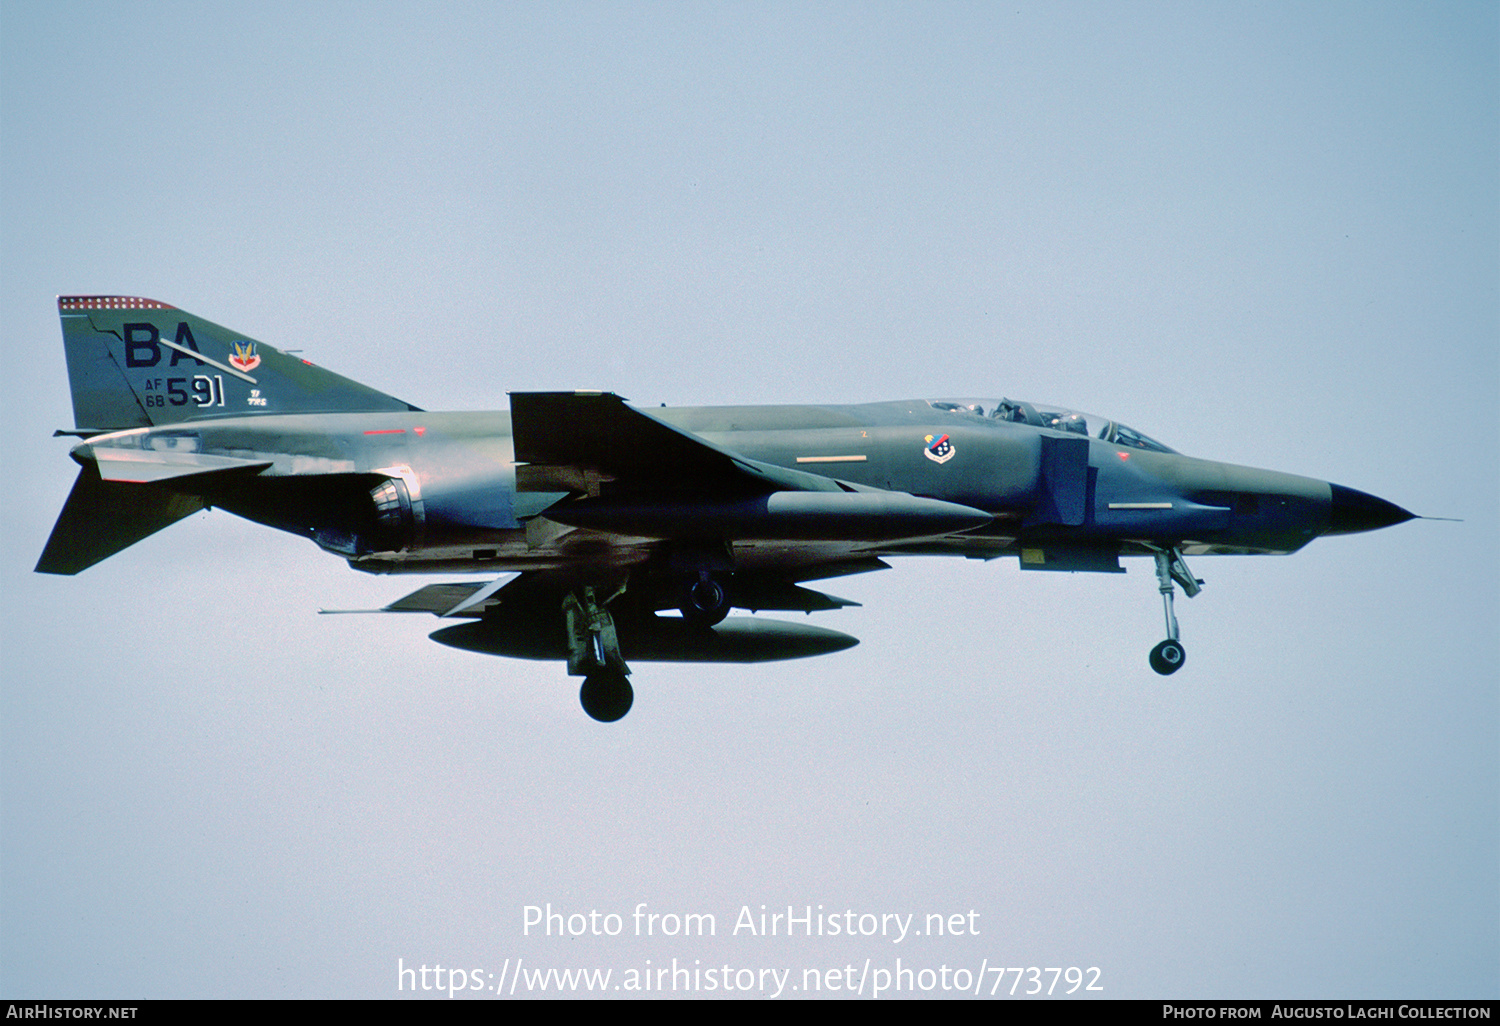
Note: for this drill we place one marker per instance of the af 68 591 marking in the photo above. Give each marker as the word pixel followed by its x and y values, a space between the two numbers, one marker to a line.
pixel 201 389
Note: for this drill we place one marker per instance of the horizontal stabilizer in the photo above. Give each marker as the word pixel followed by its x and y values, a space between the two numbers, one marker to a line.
pixel 102 517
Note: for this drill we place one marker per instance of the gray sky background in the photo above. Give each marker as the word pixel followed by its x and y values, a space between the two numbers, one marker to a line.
pixel 1268 234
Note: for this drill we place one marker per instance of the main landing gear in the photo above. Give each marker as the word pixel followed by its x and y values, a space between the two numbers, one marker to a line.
pixel 594 644
pixel 607 695
pixel 1168 657
pixel 705 601
pixel 594 655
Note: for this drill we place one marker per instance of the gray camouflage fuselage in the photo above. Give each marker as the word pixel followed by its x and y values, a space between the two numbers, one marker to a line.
pixel 606 513
pixel 1079 500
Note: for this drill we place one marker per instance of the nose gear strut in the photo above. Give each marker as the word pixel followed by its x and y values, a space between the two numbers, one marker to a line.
pixel 1169 656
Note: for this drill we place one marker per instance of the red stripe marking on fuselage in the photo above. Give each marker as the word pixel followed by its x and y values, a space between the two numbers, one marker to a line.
pixel 388 431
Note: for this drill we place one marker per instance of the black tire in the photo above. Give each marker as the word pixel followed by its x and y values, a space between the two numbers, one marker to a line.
pixel 606 696
pixel 1168 657
pixel 705 603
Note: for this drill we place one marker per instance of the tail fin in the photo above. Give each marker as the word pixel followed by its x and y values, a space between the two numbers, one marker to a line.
pixel 138 363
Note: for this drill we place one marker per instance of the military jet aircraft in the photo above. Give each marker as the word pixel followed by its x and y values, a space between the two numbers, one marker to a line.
pixel 594 516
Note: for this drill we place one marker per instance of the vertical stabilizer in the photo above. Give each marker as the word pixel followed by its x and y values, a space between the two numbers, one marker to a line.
pixel 136 362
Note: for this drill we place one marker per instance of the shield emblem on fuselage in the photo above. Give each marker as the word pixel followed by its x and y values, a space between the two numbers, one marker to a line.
pixel 939 450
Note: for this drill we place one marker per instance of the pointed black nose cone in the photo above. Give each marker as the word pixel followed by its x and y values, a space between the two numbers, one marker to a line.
pixel 1352 511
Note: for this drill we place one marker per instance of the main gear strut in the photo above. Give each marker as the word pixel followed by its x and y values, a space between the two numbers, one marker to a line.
pixel 594 655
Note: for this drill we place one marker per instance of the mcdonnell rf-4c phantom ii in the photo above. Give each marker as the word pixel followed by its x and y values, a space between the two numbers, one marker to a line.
pixel 593 515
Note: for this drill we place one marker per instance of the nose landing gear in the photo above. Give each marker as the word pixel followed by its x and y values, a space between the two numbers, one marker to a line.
pixel 1168 657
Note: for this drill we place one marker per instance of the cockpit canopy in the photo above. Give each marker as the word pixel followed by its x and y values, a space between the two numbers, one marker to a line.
pixel 1054 417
